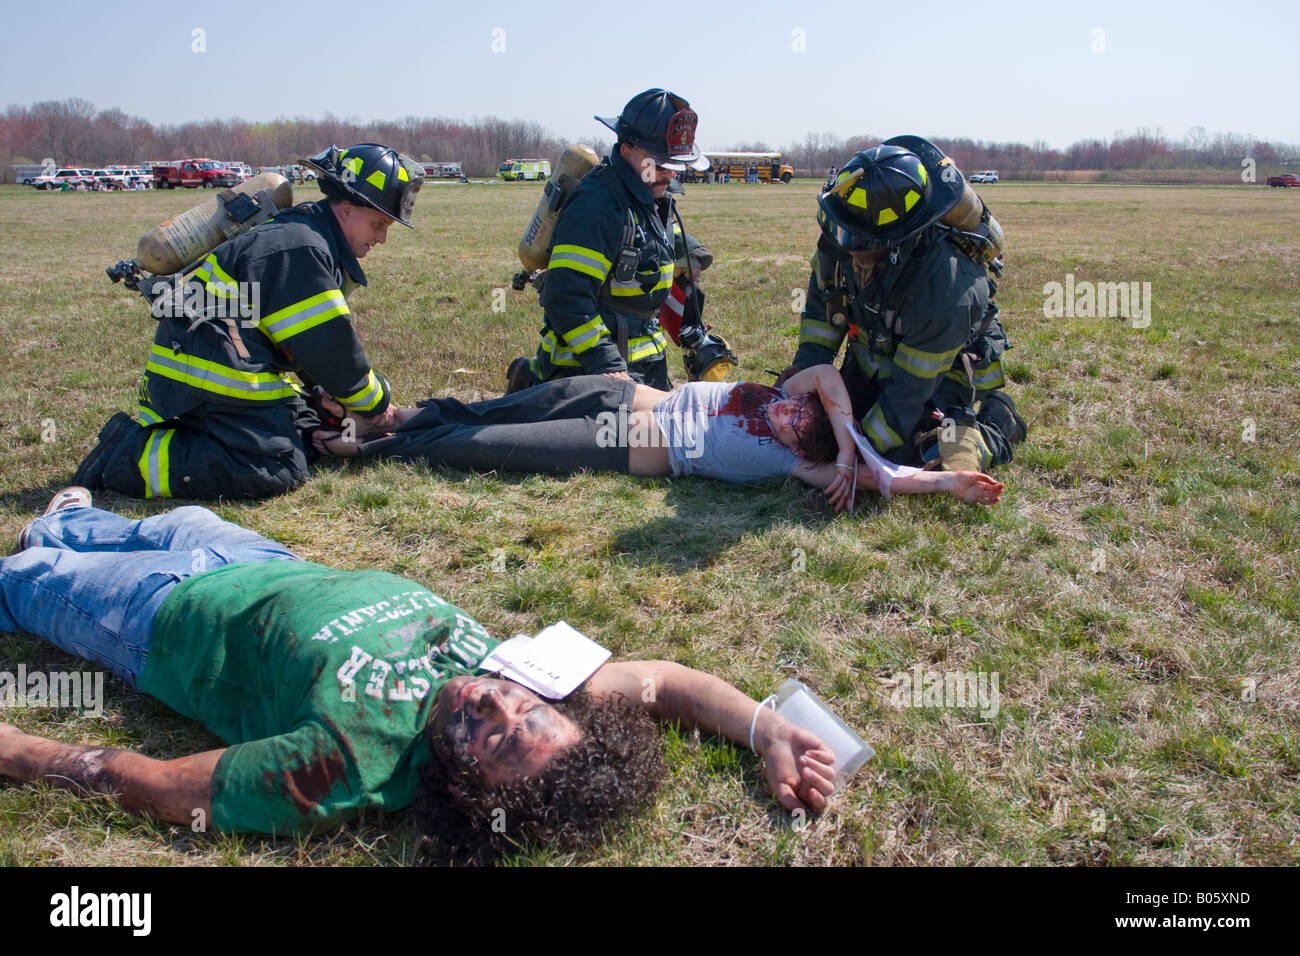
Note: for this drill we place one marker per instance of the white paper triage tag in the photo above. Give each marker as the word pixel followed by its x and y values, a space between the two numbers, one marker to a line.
pixel 553 664
pixel 883 470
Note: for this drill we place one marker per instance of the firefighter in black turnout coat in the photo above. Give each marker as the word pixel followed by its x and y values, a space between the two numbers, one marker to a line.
pixel 218 412
pixel 614 249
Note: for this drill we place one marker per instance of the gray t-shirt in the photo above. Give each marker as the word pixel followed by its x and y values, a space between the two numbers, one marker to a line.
pixel 720 430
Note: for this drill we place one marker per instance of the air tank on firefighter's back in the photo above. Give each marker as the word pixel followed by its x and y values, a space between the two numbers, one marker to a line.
pixel 535 246
pixel 183 239
pixel 967 213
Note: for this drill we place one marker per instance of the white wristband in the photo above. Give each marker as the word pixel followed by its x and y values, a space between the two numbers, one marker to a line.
pixel 753 722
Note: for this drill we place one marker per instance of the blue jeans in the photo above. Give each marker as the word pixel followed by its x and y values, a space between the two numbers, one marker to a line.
pixel 90 581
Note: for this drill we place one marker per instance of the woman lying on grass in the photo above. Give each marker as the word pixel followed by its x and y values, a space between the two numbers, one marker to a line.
pixel 731 431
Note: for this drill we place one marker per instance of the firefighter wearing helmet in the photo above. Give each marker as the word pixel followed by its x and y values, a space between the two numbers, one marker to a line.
pixel 613 253
pixel 218 414
pixel 913 297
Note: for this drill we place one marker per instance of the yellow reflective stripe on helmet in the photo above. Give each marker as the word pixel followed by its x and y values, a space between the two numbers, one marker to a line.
pixel 586 335
pixel 148 416
pixel 377 179
pixel 646 346
pixel 155 464
pixel 301 316
pixel 366 397
pixel 354 164
pixel 858 198
pixel 558 353
pixel 886 215
pixel 910 200
pixel 924 364
pixel 924 175
pixel 218 379
pixel 402 175
pixel 877 429
pixel 587 261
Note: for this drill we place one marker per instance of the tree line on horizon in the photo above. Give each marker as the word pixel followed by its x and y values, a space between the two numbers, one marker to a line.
pixel 75 132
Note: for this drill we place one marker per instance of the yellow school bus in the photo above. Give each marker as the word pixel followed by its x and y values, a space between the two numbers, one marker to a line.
pixel 734 165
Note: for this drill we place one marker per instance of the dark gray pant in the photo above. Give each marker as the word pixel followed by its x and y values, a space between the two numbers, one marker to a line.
pixel 553 429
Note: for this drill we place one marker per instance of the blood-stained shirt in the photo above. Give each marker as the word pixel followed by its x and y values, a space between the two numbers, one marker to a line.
pixel 720 430
pixel 322 680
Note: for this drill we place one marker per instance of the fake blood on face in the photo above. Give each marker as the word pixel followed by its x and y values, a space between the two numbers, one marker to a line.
pixel 747 401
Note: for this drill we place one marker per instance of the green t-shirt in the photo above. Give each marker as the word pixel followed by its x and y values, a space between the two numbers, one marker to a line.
pixel 322 680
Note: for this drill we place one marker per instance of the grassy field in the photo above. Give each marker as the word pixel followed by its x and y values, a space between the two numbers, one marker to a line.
pixel 1136 591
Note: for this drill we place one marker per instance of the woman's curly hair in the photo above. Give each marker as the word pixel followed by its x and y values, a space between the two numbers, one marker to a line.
pixel 615 768
pixel 813 428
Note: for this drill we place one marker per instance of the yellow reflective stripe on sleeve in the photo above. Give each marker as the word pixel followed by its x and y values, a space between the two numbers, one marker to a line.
pixel 216 280
pixel 985 378
pixel 646 346
pixel 877 429
pixel 148 416
pixel 155 464
pixel 924 364
pixel 876 366
pixel 581 259
pixel 366 397
pixel 218 379
pixel 586 335
pixel 301 316
pixel 558 353
pixel 820 334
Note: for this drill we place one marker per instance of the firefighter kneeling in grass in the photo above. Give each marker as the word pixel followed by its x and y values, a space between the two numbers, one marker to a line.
pixel 218 414
pixel 902 268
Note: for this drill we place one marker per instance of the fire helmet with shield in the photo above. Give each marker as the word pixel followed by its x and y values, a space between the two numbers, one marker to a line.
pixel 663 124
pixel 886 194
pixel 370 175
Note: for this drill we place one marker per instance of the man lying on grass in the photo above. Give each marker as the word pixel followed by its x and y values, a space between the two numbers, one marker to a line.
pixel 733 431
pixel 340 691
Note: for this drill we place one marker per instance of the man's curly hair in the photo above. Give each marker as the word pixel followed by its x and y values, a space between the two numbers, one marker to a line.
pixel 614 769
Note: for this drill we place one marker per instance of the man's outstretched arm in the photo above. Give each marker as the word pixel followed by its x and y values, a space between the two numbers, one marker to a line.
pixel 170 790
pixel 797 763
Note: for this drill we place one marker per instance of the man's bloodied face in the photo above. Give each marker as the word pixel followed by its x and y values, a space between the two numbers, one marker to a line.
pixel 505 730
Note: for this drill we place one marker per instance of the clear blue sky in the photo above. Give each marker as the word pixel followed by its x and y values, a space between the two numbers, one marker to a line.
pixel 995 70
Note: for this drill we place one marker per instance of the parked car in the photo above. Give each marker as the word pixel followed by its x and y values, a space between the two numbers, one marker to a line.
pixel 108 179
pixel 72 176
pixel 985 176
pixel 133 177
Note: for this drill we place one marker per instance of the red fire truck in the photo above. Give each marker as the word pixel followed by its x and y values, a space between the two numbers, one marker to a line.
pixel 190 173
